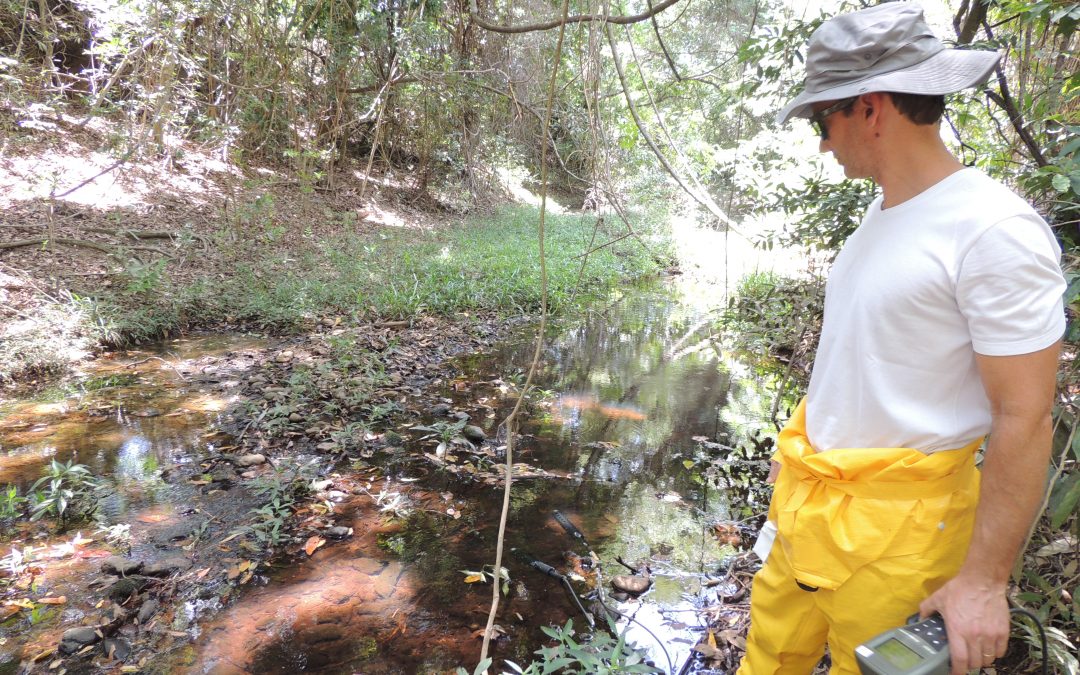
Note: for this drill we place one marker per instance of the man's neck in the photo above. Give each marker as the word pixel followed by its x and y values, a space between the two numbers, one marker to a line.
pixel 912 166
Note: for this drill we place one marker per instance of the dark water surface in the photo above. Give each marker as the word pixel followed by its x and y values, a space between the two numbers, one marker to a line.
pixel 625 395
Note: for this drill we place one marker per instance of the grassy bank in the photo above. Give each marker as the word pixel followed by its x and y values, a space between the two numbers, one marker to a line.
pixel 278 280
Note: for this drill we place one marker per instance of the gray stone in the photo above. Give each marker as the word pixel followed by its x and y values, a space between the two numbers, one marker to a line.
pixel 120 566
pixel 125 588
pixel 339 532
pixel 75 639
pixel 462 416
pixel 250 460
pixel 116 648
pixel 175 532
pixel 473 434
pixel 167 566
pixel 149 608
pixel 439 410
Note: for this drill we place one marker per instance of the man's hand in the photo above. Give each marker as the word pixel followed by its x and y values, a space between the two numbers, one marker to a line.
pixel 976 617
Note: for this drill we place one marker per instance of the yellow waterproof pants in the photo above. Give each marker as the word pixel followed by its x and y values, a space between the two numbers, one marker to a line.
pixel 863 536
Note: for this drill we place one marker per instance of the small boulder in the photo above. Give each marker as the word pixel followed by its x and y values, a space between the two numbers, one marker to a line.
pixel 250 460
pixel 167 566
pixel 75 639
pixel 149 608
pixel 439 410
pixel 120 566
pixel 339 532
pixel 116 648
pixel 125 588
pixel 473 434
pixel 633 584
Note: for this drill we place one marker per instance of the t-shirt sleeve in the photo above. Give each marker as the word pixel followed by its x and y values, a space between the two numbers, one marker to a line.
pixel 1010 288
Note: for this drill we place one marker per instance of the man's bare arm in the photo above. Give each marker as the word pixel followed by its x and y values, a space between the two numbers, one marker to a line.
pixel 974 604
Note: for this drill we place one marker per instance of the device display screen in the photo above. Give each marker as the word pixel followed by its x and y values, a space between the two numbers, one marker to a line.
pixel 898 654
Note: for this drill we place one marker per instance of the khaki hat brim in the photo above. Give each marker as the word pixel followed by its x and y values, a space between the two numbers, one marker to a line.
pixel 946 72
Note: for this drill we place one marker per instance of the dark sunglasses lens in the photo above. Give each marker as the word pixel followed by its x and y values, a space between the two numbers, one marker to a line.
pixel 819 127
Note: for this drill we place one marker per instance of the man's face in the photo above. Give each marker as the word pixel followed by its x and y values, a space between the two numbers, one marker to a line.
pixel 835 124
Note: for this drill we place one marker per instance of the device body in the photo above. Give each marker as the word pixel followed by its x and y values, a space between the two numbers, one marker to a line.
pixel 919 648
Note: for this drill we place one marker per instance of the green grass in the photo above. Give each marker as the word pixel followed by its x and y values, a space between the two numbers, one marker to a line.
pixel 489 262
pixel 486 263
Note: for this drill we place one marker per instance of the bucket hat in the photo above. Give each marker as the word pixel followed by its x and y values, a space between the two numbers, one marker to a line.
pixel 884 48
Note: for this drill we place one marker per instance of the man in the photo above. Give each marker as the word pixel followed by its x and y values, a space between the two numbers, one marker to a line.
pixel 943 320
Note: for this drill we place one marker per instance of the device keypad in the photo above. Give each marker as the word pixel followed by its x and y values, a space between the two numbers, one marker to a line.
pixel 932 632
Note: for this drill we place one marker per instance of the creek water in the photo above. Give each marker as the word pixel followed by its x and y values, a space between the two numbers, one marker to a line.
pixel 636 409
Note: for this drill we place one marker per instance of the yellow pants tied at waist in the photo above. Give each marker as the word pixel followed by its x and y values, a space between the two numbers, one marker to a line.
pixel 876 530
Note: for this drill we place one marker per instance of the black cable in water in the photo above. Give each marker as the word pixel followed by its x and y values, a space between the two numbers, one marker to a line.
pixel 1042 636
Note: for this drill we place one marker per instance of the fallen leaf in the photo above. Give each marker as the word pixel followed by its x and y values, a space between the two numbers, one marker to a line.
pixel 233 572
pixel 474 578
pixel 707 651
pixel 54 601
pixel 21 602
pixel 202 573
pixel 313 543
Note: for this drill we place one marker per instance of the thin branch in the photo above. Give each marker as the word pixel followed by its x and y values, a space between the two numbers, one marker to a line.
pixel 663 47
pixel 577 18
pixel 703 200
pixel 541 330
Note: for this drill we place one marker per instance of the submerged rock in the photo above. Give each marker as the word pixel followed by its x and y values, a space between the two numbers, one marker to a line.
pixel 149 608
pixel 473 434
pixel 75 639
pixel 439 410
pixel 116 648
pixel 631 583
pixel 125 588
pixel 120 566
pixel 167 566
pixel 339 532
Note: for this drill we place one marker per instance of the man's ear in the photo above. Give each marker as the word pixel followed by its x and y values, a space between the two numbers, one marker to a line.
pixel 873 104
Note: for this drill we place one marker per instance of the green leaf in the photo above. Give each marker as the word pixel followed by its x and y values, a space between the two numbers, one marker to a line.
pixel 1063 499
pixel 689 463
pixel 1060 183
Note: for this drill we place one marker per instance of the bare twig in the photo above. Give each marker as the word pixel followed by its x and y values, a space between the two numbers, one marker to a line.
pixel 561 23
pixel 540 331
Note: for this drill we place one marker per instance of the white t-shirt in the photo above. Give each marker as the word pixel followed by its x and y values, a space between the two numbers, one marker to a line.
pixel 964 267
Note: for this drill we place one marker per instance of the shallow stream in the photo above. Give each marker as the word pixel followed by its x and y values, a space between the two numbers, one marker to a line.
pixel 642 431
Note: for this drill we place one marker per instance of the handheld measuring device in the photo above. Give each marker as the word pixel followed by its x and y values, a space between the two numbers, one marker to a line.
pixel 919 648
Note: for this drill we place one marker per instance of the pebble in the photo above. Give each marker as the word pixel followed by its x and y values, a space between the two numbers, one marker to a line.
pixel 125 588
pixel 120 566
pixel 149 608
pixel 75 639
pixel 339 532
pixel 439 410
pixel 116 648
pixel 250 460
pixel 167 566
pixel 473 433
pixel 632 584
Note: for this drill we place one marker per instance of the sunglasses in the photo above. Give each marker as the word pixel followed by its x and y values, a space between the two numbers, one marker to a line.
pixel 817 120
